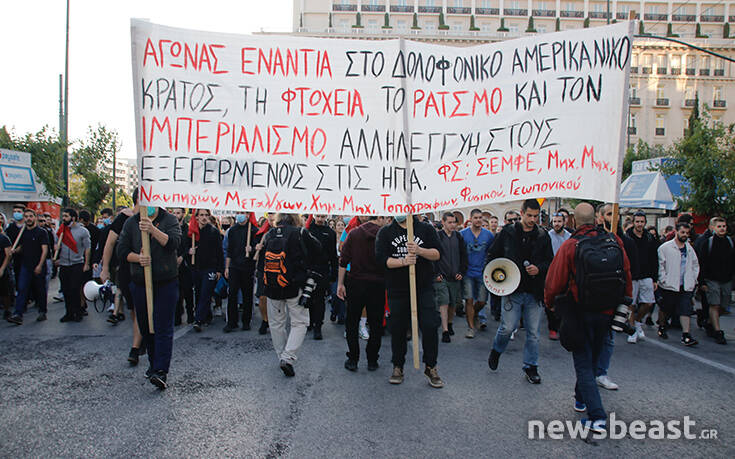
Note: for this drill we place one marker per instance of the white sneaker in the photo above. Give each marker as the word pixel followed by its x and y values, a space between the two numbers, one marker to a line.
pixel 364 334
pixel 639 331
pixel 217 312
pixel 604 382
pixel 513 335
pixel 632 339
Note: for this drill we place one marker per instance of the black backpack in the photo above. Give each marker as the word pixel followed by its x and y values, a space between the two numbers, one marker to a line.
pixel 279 269
pixel 600 275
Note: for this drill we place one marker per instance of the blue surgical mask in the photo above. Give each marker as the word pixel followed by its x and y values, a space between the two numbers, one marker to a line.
pixel 400 218
pixel 106 221
pixel 18 216
pixel 240 218
pixel 100 225
pixel 151 211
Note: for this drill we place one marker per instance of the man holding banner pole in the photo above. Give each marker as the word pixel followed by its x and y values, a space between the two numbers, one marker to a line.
pixel 396 253
pixel 165 235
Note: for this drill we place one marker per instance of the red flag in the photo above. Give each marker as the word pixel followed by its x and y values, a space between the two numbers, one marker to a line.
pixel 265 228
pixel 67 238
pixel 193 227
pixel 354 223
pixel 253 220
pixel 309 221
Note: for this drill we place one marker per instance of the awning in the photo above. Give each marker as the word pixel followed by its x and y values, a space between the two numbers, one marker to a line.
pixel 18 180
pixel 648 190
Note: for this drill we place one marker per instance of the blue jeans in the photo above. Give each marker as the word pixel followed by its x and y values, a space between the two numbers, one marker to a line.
pixel 597 328
pixel 30 285
pixel 338 306
pixel 159 345
pixel 204 283
pixel 603 363
pixel 515 306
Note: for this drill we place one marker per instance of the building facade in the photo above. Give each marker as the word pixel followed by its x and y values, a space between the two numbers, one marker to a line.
pixel 126 174
pixel 666 77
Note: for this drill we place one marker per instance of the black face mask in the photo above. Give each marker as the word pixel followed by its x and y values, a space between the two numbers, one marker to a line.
pixel 225 227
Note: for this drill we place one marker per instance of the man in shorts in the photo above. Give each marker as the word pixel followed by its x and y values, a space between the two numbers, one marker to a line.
pixel 450 269
pixel 716 258
pixel 477 242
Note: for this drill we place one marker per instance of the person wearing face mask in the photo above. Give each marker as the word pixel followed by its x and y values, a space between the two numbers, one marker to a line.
pixel 12 231
pixel 32 250
pixel 240 269
pixel 104 227
pixel 73 261
pixel 327 267
pixel 165 235
pixel 208 265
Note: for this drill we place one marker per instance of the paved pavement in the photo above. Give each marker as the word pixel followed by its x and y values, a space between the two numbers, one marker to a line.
pixel 67 390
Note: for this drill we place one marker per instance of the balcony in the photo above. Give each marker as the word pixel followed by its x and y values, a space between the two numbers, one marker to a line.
pixel 690 102
pixel 719 72
pixel 544 13
pixel 598 15
pixel 459 10
pixel 711 18
pixel 703 72
pixel 662 102
pixel 656 17
pixel 343 7
pixel 632 130
pixel 634 69
pixel 570 14
pixel 684 17
pixel 646 70
pixel 719 103
pixel 675 71
pixel 487 11
pixel 401 9
pixel 691 71
pixel 515 12
pixel 623 16
pixel 635 101
pixel 430 9
pixel 732 19
pixel 373 8
pixel 660 131
pixel 661 71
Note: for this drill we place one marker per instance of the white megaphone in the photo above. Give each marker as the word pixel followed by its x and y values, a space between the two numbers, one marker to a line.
pixel 502 277
pixel 92 290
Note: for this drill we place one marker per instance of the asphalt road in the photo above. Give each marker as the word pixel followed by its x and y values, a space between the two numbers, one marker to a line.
pixel 67 390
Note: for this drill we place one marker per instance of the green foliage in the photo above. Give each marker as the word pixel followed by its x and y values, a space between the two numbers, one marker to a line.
pixel 726 30
pixel 558 25
pixel 705 157
pixel 442 24
pixel 330 20
pixel 386 21
pixel 473 27
pixel 698 32
pixel 530 28
pixel 637 152
pixel 415 25
pixel 502 27
pixel 358 21
pixel 586 23
pixel 641 28
pixel 98 148
pixel 47 156
pixel 670 31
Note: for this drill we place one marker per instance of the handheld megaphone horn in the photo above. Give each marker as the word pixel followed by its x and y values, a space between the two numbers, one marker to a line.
pixel 502 277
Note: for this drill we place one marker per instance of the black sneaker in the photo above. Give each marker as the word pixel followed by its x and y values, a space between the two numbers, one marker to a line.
pixel 229 328
pixel 446 338
pixel 197 326
pixel 687 340
pixel 133 356
pixel 493 360
pixel 649 321
pixel 149 372
pixel 318 333
pixel 15 319
pixel 78 317
pixel 720 337
pixel 372 366
pixel 450 329
pixel 246 326
pixel 351 365
pixel 158 379
pixel 309 328
pixel 112 319
pixel 263 328
pixel 287 369
pixel 65 318
pixel 333 317
pixel 532 375
pixel 662 332
pixel 141 350
pixel 41 317
pixel 483 326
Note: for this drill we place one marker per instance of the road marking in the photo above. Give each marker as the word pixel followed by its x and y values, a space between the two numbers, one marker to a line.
pixel 182 331
pixel 696 357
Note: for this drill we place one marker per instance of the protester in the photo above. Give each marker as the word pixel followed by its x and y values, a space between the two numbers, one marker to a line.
pixel 265 225
pixel 74 254
pixel 450 268
pixel 396 254
pixel 477 241
pixel 6 254
pixel 186 284
pixel 33 248
pixel 645 273
pixel 339 309
pixel 494 224
pixel 558 235
pixel 678 269
pixel 716 256
pixel 363 287
pixel 325 269
pixel 529 247
pixel 12 231
pixel 284 265
pixel 240 269
pixel 593 317
pixel 208 264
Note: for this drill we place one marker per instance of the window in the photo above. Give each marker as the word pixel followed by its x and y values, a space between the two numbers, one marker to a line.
pixel 541 5
pixel 486 27
pixel 487 4
pixel 458 3
pixel 717 93
pixel 675 64
pixel 372 24
pixel 570 6
pixel 660 125
pixel 457 26
pixel 513 28
pixel 429 25
pixel 597 8
pixel 634 90
pixel 689 92
pixel 704 69
pixel 653 9
pixel 515 4
pixel 661 64
pixel 541 29
pixel 660 93
pixel 625 9
pixel 401 2
pixel 634 62
pixel 719 67
pixel 430 2
pixel 647 63
pixel 402 25
pixel 633 120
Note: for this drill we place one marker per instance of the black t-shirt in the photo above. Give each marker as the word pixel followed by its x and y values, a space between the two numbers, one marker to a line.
pixel 94 237
pixel 4 242
pixel 117 226
pixel 32 241
pixel 391 243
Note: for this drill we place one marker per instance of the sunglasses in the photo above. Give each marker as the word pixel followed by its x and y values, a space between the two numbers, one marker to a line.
pixel 513 220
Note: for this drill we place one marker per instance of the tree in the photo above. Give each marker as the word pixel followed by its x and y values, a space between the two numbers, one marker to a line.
pixel 47 156
pixel 726 30
pixel 358 21
pixel 473 27
pixel 502 27
pixel 415 24
pixel 97 149
pixel 557 27
pixel 442 24
pixel 705 157
pixel 386 21
pixel 530 28
pixel 637 152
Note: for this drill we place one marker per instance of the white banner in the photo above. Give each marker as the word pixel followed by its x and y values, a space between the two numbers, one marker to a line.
pixel 282 123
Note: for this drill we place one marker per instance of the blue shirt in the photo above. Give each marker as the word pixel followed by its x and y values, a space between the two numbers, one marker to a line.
pixel 477 248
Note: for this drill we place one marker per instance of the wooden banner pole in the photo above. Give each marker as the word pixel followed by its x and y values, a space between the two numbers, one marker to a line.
pixel 147 270
pixel 412 296
pixel 17 238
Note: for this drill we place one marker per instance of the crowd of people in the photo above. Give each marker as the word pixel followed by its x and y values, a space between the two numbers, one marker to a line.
pixel 293 267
